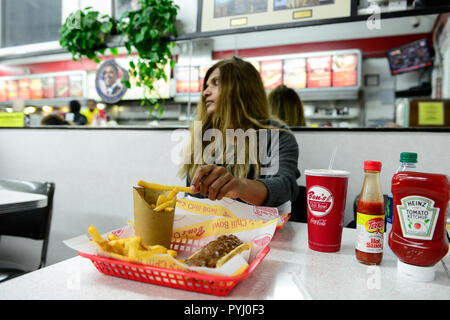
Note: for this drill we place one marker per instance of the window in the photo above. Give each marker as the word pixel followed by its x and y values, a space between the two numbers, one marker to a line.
pixel 29 21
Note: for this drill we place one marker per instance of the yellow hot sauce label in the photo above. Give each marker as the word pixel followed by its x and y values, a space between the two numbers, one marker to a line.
pixel 369 232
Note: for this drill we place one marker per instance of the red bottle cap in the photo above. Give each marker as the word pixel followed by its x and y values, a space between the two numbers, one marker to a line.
pixel 372 165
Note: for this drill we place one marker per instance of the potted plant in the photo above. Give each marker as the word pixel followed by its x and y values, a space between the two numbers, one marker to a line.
pixel 146 31
pixel 84 34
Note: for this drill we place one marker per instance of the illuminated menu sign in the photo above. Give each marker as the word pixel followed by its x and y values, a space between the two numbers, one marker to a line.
pixel 62 86
pixel 11 87
pixel 41 87
pixel 272 73
pixel 344 70
pixel 48 87
pixel 24 89
pixel 319 72
pixel 334 69
pixel 188 79
pixel 36 88
pixel 294 73
pixel 3 91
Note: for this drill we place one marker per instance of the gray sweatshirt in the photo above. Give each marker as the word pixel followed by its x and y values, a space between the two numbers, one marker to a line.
pixel 279 171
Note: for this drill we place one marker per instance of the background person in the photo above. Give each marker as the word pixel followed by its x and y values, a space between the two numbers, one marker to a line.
pixel 286 105
pixel 53 119
pixel 74 116
pixel 91 111
pixel 233 97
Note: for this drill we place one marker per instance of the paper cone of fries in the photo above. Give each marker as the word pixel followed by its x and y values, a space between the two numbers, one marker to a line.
pixel 154 227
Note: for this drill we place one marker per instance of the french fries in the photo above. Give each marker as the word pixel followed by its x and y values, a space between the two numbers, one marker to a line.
pixel 161 187
pixel 128 248
pixel 163 201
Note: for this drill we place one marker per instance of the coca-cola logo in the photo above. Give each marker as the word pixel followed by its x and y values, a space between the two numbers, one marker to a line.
pixel 320 201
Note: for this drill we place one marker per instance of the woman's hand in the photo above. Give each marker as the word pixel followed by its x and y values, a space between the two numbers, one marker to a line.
pixel 215 182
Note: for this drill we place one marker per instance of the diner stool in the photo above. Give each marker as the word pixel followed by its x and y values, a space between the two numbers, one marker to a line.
pixel 298 208
pixel 32 224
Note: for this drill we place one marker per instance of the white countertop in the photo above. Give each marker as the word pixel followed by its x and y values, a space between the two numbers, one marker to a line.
pixel 290 271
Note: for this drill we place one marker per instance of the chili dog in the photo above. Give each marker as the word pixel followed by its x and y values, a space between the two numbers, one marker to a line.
pixel 217 252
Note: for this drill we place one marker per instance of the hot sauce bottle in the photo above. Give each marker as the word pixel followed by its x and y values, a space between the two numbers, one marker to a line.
pixel 370 217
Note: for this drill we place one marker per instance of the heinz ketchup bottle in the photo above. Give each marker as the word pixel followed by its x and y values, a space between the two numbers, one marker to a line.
pixel 418 237
pixel 370 217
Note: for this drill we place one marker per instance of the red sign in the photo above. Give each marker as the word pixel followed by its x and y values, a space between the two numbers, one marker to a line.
pixel 188 82
pixel 271 73
pixel 344 70
pixel 36 88
pixel 319 72
pixel 48 87
pixel 11 86
pixel 294 73
pixel 62 86
pixel 3 92
pixel 24 89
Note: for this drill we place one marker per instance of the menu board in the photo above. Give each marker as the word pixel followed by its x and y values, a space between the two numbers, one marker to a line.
pixel 48 87
pixel 319 72
pixel 36 88
pixel 62 86
pixel 294 73
pixel 12 88
pixel 3 91
pixel 272 73
pixel 201 74
pixel 24 89
pixel 345 70
pixel 44 86
pixel 76 86
pixel 183 84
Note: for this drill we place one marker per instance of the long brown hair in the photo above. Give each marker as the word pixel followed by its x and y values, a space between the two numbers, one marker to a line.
pixel 241 104
pixel 287 106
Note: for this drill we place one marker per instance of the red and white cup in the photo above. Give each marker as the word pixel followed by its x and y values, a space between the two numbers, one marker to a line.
pixel 326 194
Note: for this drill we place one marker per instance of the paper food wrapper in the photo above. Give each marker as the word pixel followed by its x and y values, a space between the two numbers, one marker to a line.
pixel 153 227
pixel 196 223
pixel 284 212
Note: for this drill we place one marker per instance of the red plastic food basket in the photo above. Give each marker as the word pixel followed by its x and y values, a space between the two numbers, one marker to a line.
pixel 192 281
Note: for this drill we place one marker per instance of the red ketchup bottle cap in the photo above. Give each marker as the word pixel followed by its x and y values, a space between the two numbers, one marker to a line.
pixel 372 165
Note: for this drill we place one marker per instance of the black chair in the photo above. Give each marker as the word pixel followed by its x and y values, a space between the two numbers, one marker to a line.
pixel 33 224
pixel 298 207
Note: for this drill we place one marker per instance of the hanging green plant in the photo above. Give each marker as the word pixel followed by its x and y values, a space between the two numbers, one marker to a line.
pixel 84 34
pixel 148 30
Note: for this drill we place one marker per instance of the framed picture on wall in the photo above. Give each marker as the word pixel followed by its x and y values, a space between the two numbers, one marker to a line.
pixel 218 15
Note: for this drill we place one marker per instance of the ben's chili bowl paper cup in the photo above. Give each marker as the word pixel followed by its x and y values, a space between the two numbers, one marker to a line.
pixel 326 193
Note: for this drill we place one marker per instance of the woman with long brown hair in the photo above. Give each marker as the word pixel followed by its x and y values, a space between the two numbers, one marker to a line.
pixel 286 105
pixel 234 105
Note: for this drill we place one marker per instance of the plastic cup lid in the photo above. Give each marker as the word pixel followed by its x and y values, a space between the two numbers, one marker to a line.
pixel 327 173
pixel 415 273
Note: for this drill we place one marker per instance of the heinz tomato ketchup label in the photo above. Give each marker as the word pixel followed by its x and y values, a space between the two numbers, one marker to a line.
pixel 418 216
